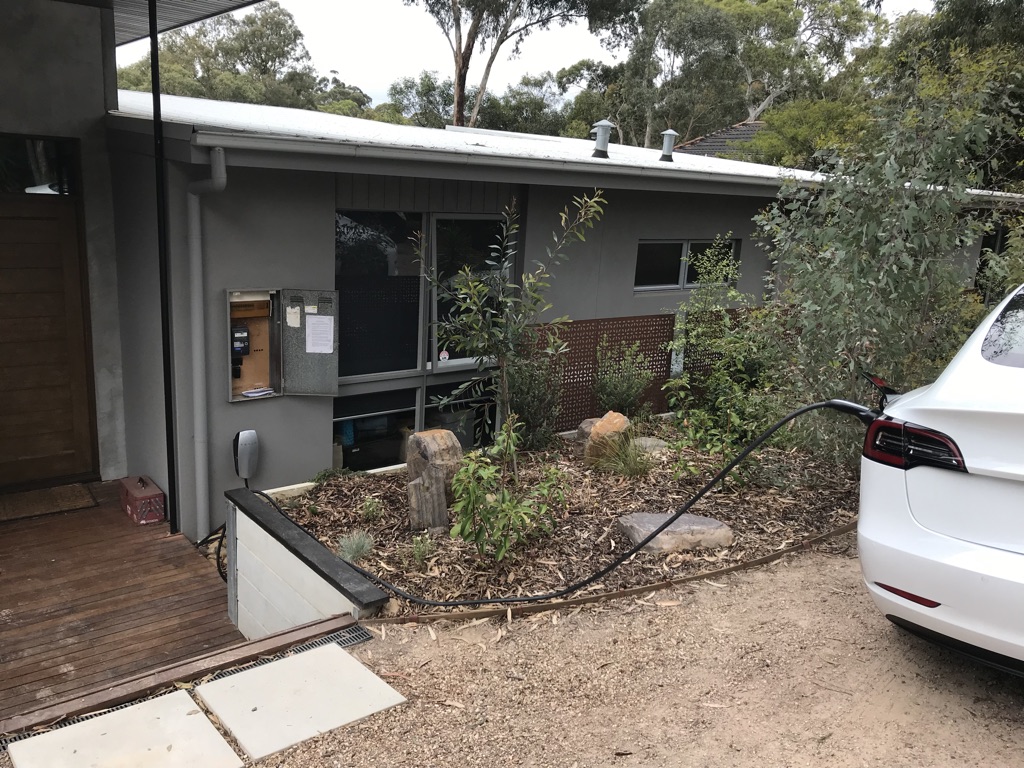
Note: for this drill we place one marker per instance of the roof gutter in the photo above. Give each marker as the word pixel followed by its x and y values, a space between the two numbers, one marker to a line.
pixel 307 146
pixel 298 145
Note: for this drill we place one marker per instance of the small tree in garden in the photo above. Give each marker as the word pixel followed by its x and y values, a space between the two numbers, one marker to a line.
pixel 493 320
pixel 493 511
pixel 492 315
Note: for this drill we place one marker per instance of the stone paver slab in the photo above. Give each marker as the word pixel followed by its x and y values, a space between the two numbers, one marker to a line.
pixel 166 732
pixel 274 706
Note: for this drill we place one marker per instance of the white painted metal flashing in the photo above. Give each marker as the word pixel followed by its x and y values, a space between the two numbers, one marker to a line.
pixel 262 128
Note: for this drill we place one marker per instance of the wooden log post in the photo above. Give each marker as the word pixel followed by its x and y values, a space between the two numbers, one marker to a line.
pixel 432 457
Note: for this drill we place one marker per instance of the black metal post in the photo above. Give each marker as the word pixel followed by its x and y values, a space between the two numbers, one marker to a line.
pixel 165 275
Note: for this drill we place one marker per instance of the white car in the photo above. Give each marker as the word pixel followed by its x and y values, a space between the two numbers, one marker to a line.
pixel 941 528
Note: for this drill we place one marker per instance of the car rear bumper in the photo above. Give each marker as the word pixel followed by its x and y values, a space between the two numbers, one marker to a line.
pixel 980 590
pixel 982 655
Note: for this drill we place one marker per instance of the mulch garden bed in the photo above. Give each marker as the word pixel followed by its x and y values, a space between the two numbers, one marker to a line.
pixel 791 498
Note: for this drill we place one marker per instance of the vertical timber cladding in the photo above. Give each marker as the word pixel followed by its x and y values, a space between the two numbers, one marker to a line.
pixel 46 405
pixel 424 195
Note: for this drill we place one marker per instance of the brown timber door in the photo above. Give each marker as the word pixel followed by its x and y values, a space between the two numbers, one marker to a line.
pixel 47 427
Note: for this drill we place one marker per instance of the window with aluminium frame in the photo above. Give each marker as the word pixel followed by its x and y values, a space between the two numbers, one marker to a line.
pixel 669 265
pixel 390 367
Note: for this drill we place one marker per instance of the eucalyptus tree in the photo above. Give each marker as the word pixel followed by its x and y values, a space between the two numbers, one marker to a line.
pixel 490 25
pixel 259 58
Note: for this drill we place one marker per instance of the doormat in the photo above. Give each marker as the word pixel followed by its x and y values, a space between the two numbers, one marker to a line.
pixel 15 506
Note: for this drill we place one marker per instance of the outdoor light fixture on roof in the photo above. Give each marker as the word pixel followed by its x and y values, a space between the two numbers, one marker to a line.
pixel 668 142
pixel 603 128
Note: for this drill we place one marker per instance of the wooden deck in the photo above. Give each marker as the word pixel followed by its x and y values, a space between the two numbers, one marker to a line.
pixel 88 598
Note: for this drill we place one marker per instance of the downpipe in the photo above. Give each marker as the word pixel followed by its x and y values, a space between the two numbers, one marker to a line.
pixel 200 427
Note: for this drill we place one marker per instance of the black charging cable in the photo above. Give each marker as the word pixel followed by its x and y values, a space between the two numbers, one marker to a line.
pixel 219 533
pixel 865 415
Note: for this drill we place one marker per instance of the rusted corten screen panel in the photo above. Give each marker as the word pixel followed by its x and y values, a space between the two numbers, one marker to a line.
pixel 576 397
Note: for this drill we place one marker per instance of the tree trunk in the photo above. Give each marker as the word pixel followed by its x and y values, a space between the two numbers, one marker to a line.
pixel 649 131
pixel 499 40
pixel 482 90
pixel 459 108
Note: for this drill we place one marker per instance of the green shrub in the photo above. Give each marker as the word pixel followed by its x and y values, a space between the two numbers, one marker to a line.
pixel 734 359
pixel 491 510
pixel 492 316
pixel 423 549
pixel 534 383
pixel 623 375
pixel 371 509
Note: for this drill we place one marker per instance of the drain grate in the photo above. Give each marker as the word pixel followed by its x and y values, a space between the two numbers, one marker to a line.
pixel 346 638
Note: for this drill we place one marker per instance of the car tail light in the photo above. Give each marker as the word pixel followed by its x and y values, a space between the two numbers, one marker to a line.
pixel 927 603
pixel 899 444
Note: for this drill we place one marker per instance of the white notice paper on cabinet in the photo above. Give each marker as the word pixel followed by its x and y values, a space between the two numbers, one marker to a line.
pixel 319 334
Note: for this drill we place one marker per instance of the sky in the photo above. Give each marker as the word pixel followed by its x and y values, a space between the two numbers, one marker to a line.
pixel 373 43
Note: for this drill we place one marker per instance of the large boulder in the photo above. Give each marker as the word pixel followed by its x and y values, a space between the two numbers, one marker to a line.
pixel 609 429
pixel 585 428
pixel 688 532
pixel 432 457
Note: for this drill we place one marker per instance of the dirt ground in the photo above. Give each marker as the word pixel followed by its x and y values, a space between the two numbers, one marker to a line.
pixel 786 665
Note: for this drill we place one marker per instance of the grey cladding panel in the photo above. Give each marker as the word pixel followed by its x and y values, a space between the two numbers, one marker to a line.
pixel 309 342
pixel 356 191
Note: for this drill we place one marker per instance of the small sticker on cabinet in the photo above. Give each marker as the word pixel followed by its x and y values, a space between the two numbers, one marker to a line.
pixel 311 309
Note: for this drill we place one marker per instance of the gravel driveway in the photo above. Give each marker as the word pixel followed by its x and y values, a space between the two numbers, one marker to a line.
pixel 787 665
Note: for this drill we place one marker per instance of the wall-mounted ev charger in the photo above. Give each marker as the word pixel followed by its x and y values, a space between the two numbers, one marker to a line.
pixel 247 453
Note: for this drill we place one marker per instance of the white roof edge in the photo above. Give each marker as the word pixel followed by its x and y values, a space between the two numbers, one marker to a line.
pixel 298 145
pixel 311 132
pixel 281 129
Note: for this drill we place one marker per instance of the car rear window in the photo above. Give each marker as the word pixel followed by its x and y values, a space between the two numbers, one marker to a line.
pixel 1004 342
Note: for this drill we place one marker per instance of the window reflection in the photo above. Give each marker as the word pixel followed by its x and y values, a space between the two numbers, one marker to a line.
pixel 36 166
pixel 377 274
pixel 1004 342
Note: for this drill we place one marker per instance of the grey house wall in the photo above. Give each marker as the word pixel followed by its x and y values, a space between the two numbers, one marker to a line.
pixel 65 93
pixel 139 305
pixel 268 229
pixel 596 281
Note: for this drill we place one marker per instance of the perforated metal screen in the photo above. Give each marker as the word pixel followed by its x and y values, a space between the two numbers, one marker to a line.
pixel 653 334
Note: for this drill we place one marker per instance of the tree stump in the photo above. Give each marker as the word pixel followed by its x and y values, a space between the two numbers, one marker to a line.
pixel 433 457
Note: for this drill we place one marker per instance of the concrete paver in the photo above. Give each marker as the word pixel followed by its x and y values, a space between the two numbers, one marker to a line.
pixel 166 732
pixel 274 706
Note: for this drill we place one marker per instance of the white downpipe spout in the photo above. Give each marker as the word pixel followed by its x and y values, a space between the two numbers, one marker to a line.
pixel 197 297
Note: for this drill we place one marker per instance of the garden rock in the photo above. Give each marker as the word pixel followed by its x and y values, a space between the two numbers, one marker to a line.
pixel 610 428
pixel 650 444
pixel 432 457
pixel 584 429
pixel 688 532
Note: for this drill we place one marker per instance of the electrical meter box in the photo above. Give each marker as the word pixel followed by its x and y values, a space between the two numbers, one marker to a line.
pixel 282 342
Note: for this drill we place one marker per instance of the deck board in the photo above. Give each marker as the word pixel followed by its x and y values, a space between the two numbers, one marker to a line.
pixel 88 598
